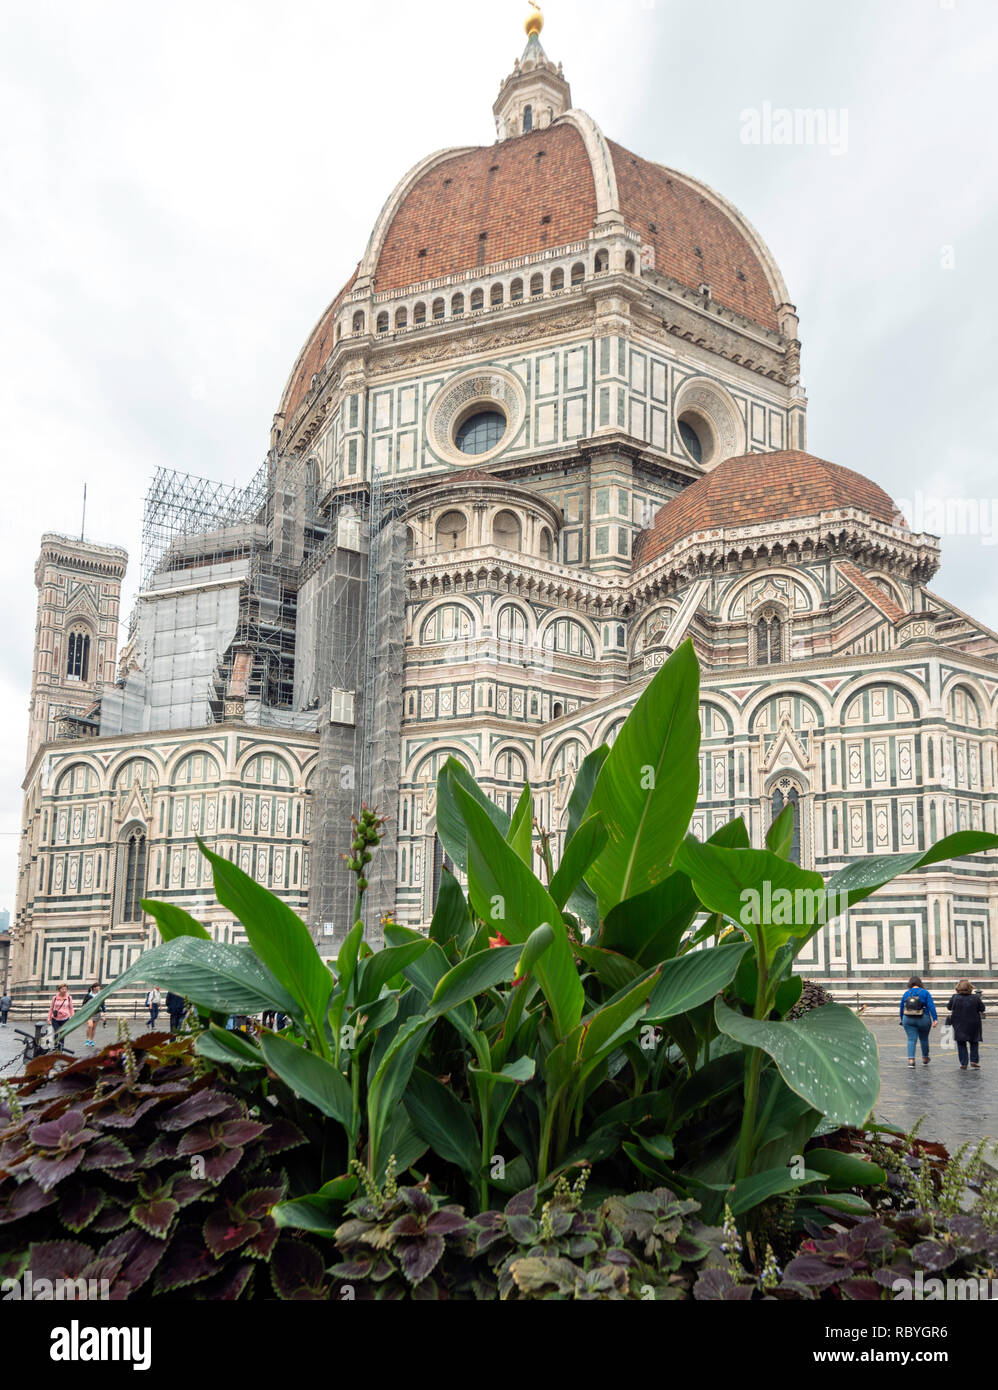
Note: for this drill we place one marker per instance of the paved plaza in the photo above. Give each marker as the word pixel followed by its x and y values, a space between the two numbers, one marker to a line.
pixel 958 1105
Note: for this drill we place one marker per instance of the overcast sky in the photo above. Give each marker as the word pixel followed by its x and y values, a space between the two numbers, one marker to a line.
pixel 184 187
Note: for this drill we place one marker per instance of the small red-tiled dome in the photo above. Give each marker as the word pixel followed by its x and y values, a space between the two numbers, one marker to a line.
pixel 753 489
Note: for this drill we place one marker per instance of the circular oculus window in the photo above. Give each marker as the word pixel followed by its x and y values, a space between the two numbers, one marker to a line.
pixel 476 416
pixel 480 432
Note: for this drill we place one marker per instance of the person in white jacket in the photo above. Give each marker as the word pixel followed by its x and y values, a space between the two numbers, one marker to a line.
pixel 153 999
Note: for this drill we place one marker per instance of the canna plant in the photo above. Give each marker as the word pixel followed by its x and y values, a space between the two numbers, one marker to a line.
pixel 630 1008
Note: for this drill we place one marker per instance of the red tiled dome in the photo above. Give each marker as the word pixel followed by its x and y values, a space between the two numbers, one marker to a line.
pixel 755 488
pixel 479 207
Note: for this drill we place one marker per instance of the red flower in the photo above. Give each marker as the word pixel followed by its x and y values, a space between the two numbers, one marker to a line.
pixel 497 940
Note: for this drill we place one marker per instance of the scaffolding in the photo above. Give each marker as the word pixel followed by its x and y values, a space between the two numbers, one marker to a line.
pixel 180 507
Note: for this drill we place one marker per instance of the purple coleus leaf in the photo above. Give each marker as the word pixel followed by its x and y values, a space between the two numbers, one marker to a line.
pixel 262 1244
pixel 258 1201
pixel 809 1269
pixel 718 1285
pixel 408 1225
pixel 239 1132
pixel 201 1106
pixel 58 1259
pixel 66 1133
pixel 26 1198
pixel 187 1261
pixel 296 1269
pixel 13 1263
pixel 156 1216
pixel 48 1171
pixel 122 1117
pixel 185 1190
pixel 224 1232
pixel 107 1152
pixel 220 1165
pixel 281 1135
pixel 522 1204
pixel 139 1255
pixel 420 1256
pixel 418 1200
pixel 227 1286
pixel 932 1254
pixel 79 1203
pixel 111 1218
pixel 447 1222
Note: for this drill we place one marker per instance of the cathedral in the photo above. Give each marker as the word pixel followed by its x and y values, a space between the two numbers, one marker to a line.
pixel 552 426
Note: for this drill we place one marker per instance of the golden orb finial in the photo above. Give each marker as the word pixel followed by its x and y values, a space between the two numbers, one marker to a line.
pixel 535 21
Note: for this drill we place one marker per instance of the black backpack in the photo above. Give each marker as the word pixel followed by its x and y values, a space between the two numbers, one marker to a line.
pixel 914 1007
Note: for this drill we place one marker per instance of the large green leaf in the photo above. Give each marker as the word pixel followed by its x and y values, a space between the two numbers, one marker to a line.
pixel 443 1121
pixel 387 1085
pixel 768 897
pixel 857 881
pixel 451 919
pixel 611 968
pixel 692 979
pixel 173 921
pixel 451 828
pixel 780 835
pixel 218 977
pixel 759 1187
pixel 829 1057
pixel 384 965
pixel 647 787
pixel 846 1170
pixel 228 1048
pixel 521 827
pixel 511 900
pixel 582 791
pixel 473 975
pixel 310 1076
pixel 650 926
pixel 278 936
pixel 580 851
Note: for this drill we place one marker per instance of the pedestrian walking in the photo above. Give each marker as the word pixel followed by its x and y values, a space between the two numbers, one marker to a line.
pixel 101 1012
pixel 62 1009
pixel 153 1000
pixel 918 1018
pixel 966 1011
pixel 5 1003
pixel 175 1008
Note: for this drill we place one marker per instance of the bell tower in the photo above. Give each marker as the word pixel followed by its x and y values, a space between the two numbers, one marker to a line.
pixel 535 93
pixel 76 634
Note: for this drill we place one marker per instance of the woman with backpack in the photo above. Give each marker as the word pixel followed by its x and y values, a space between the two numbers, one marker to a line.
pixel 966 1011
pixel 918 1018
pixel 92 993
pixel 62 1009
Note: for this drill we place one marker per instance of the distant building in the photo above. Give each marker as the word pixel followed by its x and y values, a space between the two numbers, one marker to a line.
pixel 551 427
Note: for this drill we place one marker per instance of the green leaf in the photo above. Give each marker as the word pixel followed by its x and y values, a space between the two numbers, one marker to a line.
pixel 451 827
pixel 612 969
pixel 228 1048
pixel 521 828
pixel 512 1074
pixel 384 965
pixel 829 1057
pixel 507 896
pixel 692 979
pixel 443 1122
pixel 173 921
pixel 580 851
pixel 451 919
pixel 846 1170
pixel 759 1187
pixel 313 1213
pixel 582 791
pixel 386 1086
pixel 310 1076
pixel 279 937
pixel 769 898
pixel 473 975
pixel 865 876
pixel 346 960
pixel 218 977
pixel 647 788
pixel 603 1027
pixel 780 835
pixel 788 993
pixel 650 926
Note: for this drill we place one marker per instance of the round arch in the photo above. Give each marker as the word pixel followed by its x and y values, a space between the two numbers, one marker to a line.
pixel 910 688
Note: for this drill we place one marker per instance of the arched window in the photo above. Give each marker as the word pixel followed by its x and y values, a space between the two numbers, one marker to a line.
pixel 78 655
pixel 629 262
pixel 446 624
pixel 477 300
pixel 511 625
pixel 602 261
pixel 410 540
pixel 419 314
pixel 769 640
pixel 528 119
pixel 788 795
pixel 578 273
pixel 358 322
pixel 557 709
pixel 566 635
pixel 383 322
pixel 516 290
pixel 457 306
pixel 506 531
pixel 401 318
pixel 557 280
pixel 545 543
pixel 496 294
pixel 452 531
pixel 132 872
pixel 536 285
pixel 438 310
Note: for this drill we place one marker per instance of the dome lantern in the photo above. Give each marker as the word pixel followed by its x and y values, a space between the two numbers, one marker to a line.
pixel 535 93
